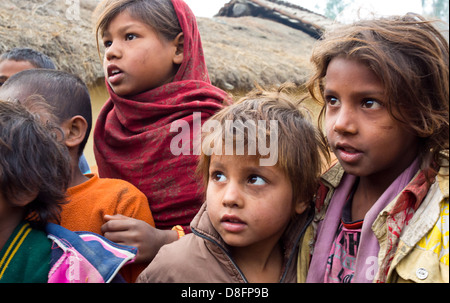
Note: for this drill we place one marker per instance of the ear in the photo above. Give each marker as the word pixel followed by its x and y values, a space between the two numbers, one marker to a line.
pixel 23 199
pixel 179 52
pixel 74 131
pixel 300 207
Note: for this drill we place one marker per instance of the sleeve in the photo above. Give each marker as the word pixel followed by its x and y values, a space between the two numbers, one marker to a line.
pixel 134 204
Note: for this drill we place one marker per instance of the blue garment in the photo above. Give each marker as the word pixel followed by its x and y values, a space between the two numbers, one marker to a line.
pixel 85 257
pixel 84 165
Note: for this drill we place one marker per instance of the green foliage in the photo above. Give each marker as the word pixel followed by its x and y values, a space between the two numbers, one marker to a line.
pixel 335 7
pixel 436 8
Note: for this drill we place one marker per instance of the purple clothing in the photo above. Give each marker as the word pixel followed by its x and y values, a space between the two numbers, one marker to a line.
pixel 341 260
pixel 366 265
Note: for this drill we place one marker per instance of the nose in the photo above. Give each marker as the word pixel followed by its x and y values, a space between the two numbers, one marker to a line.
pixel 345 120
pixel 113 51
pixel 232 196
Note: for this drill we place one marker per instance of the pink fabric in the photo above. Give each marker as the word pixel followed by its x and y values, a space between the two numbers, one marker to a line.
pixel 327 230
pixel 72 267
pixel 342 258
pixel 366 261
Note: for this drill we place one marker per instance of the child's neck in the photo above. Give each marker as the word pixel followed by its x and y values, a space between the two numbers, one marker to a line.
pixel 370 188
pixel 77 179
pixel 259 265
pixel 7 226
pixel 77 176
pixel 366 195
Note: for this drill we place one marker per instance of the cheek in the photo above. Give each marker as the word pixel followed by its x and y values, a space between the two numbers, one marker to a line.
pixel 274 213
pixel 105 66
pixel 329 124
pixel 212 200
pixel 386 136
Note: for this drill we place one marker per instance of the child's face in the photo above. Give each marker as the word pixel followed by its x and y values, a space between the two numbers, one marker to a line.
pixel 365 138
pixel 248 204
pixel 136 58
pixel 11 67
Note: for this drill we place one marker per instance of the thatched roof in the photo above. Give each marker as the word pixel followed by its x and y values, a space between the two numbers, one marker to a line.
pixel 242 51
pixel 50 26
pixel 282 12
pixel 238 51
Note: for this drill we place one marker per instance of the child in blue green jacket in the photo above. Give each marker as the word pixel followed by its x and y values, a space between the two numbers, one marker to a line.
pixel 34 175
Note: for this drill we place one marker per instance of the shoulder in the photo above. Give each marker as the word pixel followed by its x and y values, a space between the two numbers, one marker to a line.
pixel 113 184
pixel 190 259
pixel 329 181
pixel 114 190
pixel 442 179
pixel 126 198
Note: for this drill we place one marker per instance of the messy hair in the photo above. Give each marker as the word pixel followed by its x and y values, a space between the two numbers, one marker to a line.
pixel 410 57
pixel 67 94
pixel 158 14
pixel 32 161
pixel 302 148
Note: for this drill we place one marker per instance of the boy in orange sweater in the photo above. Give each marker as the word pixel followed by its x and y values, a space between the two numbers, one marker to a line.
pixel 90 197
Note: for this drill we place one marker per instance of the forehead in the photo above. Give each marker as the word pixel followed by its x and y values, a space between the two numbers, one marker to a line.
pixel 351 72
pixel 123 20
pixel 235 160
pixel 243 164
pixel 11 67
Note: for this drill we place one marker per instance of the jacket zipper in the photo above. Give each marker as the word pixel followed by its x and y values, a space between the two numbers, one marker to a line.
pixel 195 232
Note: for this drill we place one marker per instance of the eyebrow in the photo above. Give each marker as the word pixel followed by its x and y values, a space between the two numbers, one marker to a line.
pixel 122 29
pixel 247 169
pixel 357 93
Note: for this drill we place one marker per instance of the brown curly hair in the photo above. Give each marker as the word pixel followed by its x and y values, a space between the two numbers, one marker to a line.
pixel 410 57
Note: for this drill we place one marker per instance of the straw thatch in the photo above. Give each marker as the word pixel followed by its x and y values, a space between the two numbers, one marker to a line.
pixel 242 51
pixel 238 51
pixel 51 27
pixel 282 12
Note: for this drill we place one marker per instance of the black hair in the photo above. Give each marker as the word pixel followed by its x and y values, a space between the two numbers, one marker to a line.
pixel 66 93
pixel 36 58
pixel 32 161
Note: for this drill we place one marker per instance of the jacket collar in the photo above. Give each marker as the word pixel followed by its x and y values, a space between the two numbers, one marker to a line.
pixel 201 226
pixel 333 176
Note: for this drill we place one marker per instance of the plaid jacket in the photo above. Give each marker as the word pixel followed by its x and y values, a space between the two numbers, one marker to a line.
pixel 412 231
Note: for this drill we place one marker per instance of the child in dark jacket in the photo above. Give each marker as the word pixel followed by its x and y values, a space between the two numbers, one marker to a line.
pixel 258 198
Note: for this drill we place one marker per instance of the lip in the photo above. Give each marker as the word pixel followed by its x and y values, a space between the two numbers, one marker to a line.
pixel 347 153
pixel 114 73
pixel 232 223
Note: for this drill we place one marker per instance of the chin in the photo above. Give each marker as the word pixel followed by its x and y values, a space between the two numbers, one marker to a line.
pixel 353 169
pixel 234 241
